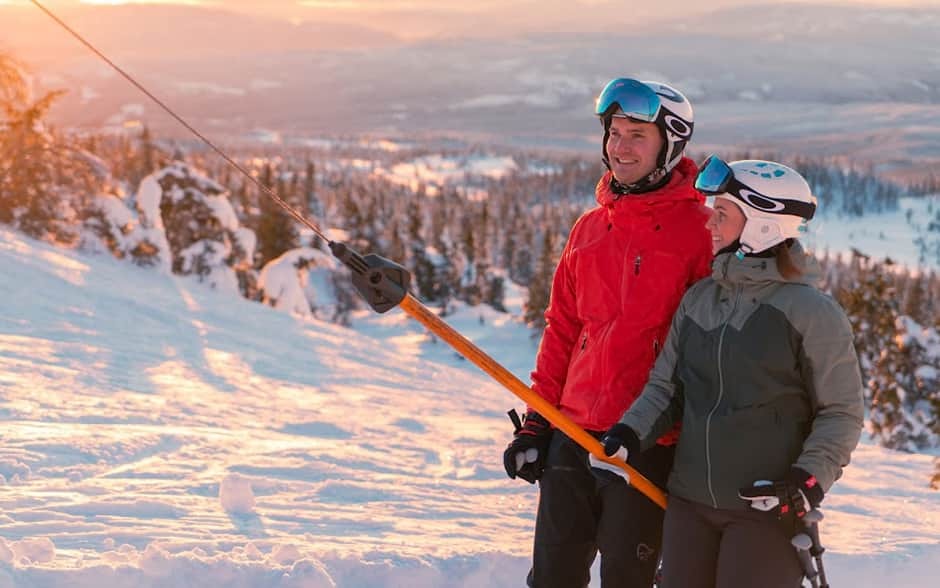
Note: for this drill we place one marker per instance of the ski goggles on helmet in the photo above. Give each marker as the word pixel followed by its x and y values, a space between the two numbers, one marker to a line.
pixel 716 177
pixel 633 99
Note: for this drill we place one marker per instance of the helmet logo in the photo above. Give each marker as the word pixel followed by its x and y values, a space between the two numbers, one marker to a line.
pixel 759 201
pixel 678 126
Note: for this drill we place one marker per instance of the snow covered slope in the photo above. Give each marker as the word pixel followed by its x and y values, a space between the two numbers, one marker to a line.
pixel 157 433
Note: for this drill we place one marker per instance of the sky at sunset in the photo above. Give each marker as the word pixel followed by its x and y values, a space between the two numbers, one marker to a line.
pixel 412 19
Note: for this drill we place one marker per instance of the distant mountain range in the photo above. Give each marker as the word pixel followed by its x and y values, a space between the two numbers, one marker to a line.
pixel 859 82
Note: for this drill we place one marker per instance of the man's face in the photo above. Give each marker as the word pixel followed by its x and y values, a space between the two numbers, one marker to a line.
pixel 632 148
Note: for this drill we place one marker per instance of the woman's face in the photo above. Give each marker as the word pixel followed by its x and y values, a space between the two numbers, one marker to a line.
pixel 726 223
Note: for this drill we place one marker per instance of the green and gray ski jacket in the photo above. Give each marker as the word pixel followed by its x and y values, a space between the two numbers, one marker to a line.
pixel 763 373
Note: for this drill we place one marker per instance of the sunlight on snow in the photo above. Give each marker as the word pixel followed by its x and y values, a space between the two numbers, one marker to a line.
pixel 348 457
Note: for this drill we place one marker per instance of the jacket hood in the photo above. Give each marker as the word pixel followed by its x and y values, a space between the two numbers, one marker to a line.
pixel 678 188
pixel 728 270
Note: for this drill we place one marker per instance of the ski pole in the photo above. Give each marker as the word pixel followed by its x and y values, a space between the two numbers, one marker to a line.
pixel 384 285
pixel 803 544
pixel 466 348
pixel 811 521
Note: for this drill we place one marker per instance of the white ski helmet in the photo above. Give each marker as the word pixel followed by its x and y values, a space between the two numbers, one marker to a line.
pixel 775 199
pixel 653 102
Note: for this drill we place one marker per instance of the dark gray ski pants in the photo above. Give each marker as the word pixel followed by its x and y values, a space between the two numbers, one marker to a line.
pixel 705 547
pixel 581 513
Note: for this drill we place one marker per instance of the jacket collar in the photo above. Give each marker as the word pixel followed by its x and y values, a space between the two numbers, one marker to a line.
pixel 728 270
pixel 680 187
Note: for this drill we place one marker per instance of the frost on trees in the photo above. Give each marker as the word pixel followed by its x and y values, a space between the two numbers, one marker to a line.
pixel 304 281
pixel 188 225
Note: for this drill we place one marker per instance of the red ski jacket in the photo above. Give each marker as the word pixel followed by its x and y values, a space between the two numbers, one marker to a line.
pixel 624 270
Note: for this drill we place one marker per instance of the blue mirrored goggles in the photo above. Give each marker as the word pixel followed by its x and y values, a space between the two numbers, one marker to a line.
pixel 713 177
pixel 716 177
pixel 634 99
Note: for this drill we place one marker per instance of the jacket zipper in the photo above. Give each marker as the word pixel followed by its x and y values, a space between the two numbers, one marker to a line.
pixel 636 265
pixel 584 342
pixel 721 392
pixel 655 347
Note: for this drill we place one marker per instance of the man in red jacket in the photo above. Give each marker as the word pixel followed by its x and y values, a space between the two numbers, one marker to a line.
pixel 624 269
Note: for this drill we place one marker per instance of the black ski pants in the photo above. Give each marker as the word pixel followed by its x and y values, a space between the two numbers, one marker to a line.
pixel 582 512
pixel 706 547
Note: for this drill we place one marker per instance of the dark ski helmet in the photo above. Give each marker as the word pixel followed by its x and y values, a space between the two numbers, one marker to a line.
pixel 653 102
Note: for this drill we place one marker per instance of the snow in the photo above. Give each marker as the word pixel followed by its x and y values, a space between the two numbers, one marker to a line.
pixel 199 87
pixel 436 171
pixel 221 208
pixel 887 234
pixel 149 195
pixel 546 100
pixel 236 494
pixel 157 432
pixel 298 281
pixel 114 210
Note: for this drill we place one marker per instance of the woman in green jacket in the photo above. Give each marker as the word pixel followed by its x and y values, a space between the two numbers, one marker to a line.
pixel 760 368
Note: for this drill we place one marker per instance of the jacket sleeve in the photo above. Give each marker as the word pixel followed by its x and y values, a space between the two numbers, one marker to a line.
pixel 562 327
pixel 831 371
pixel 660 404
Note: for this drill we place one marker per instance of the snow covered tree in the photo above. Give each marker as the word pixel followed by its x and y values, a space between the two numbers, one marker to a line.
pixel 872 308
pixel 903 378
pixel 301 281
pixel 899 373
pixel 915 300
pixel 870 301
pixel 201 235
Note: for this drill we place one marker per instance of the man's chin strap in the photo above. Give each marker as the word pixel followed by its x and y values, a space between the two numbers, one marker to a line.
pixel 656 180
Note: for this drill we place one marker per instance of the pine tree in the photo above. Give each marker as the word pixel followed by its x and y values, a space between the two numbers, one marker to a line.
pixel 495 292
pixel 199 226
pixel 900 413
pixel 395 249
pixel 523 270
pixel 873 310
pixel 44 181
pixel 144 161
pixel 276 230
pixel 540 286
pixel 915 294
pixel 311 204
pixel 445 276
pixel 423 275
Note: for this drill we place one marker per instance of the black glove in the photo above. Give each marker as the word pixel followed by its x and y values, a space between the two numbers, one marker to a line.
pixel 525 456
pixel 621 436
pixel 795 495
